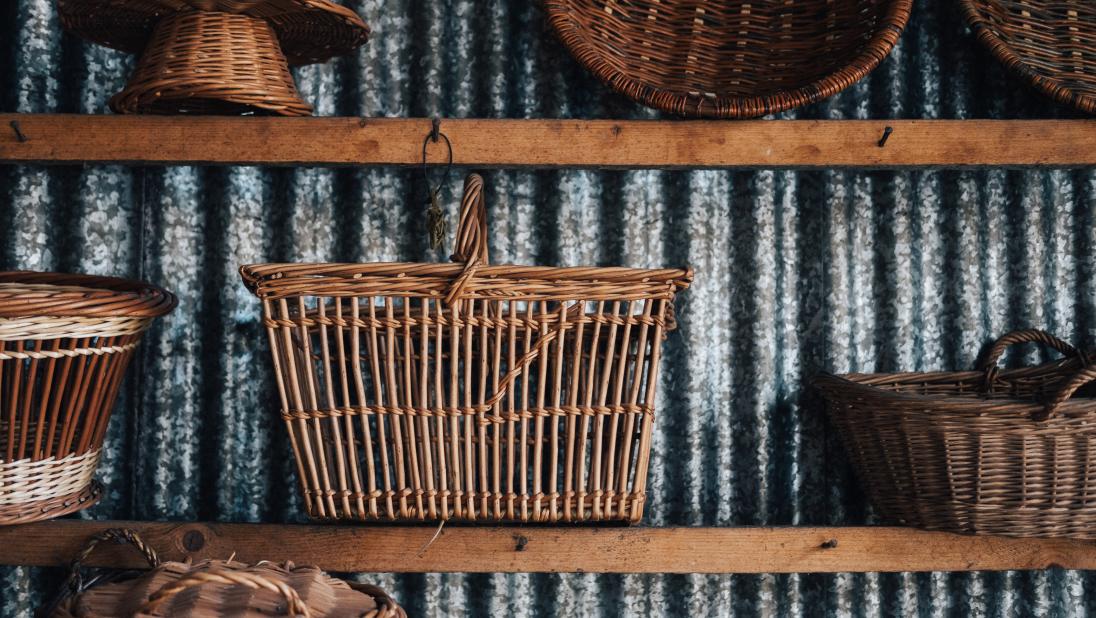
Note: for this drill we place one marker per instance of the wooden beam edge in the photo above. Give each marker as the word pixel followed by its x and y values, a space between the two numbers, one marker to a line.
pixel 521 549
pixel 546 143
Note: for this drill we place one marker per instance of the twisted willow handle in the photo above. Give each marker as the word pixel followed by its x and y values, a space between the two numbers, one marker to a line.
pixel 471 244
pixel 1064 392
pixel 294 605
pixel 1025 336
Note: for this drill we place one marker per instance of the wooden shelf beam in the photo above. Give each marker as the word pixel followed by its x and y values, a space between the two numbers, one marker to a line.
pixel 499 143
pixel 531 549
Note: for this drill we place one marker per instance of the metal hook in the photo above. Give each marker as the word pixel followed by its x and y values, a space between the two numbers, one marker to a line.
pixel 435 129
pixel 886 135
pixel 436 216
pixel 18 131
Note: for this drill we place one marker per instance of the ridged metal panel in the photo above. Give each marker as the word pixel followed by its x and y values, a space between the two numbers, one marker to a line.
pixel 797 272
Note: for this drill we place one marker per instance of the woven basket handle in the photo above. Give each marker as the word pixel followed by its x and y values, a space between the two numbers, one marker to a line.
pixel 1064 392
pixel 471 245
pixel 294 605
pixel 989 365
pixel 121 536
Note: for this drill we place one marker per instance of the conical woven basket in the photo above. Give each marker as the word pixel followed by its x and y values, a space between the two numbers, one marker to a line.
pixel 65 342
pixel 468 391
pixel 1007 452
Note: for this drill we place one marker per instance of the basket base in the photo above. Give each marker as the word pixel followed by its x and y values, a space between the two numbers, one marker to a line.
pixel 40 510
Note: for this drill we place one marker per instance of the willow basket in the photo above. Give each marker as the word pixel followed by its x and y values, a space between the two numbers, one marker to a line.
pixel 65 341
pixel 1051 44
pixel 216 56
pixel 467 391
pixel 213 589
pixel 991 451
pixel 728 58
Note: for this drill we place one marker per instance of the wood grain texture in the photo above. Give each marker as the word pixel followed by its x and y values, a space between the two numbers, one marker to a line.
pixel 196 140
pixel 555 549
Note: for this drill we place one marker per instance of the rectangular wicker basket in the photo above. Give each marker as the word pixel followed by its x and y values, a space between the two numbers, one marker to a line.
pixel 467 391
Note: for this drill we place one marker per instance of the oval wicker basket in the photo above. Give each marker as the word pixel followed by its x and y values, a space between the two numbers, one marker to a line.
pixel 729 58
pixel 65 341
pixel 1051 44
pixel 468 391
pixel 1007 452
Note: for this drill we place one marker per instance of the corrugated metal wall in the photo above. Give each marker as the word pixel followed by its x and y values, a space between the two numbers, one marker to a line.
pixel 796 272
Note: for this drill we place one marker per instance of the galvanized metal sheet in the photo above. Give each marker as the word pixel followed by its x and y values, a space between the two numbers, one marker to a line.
pixel 797 272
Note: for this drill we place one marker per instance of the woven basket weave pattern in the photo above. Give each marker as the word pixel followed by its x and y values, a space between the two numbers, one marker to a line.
pixel 212 63
pixel 729 58
pixel 64 348
pixel 1049 43
pixel 473 392
pixel 989 452
pixel 216 56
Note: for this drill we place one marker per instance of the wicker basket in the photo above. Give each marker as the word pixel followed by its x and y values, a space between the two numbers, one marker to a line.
pixel 468 391
pixel 986 452
pixel 1049 43
pixel 214 589
pixel 216 56
pixel 729 58
pixel 65 341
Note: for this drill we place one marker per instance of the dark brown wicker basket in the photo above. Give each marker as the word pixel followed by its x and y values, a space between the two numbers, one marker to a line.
pixel 1049 43
pixel 985 452
pixel 729 58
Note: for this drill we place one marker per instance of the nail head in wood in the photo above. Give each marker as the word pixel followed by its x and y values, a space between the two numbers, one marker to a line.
pixel 886 136
pixel 19 135
pixel 193 541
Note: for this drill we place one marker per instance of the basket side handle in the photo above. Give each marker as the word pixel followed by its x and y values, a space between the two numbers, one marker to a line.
pixel 989 365
pixel 1065 391
pixel 74 584
pixel 294 605
pixel 471 243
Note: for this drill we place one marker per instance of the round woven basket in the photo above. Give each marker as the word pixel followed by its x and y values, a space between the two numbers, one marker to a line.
pixel 1051 44
pixel 212 589
pixel 1003 452
pixel 729 58
pixel 65 341
pixel 216 56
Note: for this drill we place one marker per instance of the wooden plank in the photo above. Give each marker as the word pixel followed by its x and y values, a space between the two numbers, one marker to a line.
pixel 495 143
pixel 516 549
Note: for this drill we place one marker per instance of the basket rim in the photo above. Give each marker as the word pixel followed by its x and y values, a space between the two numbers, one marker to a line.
pixel 265 279
pixel 827 383
pixel 49 294
pixel 884 38
pixel 1000 49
